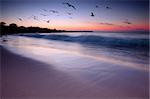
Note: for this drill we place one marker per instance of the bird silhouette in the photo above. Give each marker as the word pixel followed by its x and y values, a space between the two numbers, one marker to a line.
pixel 69 13
pixel 48 21
pixel 92 14
pixel 69 5
pixel 96 6
pixel 107 7
pixel 53 11
pixel 19 19
pixel 127 21
pixel 35 18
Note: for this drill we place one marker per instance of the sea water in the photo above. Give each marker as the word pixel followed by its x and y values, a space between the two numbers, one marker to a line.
pixel 97 60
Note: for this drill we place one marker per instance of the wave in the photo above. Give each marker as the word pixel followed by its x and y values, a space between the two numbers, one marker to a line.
pixel 96 40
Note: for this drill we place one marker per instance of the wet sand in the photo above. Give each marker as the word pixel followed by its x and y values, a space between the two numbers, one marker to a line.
pixel 24 78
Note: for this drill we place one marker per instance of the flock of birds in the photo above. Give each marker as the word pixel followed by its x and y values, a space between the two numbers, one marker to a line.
pixel 126 21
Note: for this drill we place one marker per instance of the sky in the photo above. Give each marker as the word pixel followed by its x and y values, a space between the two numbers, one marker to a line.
pixel 109 15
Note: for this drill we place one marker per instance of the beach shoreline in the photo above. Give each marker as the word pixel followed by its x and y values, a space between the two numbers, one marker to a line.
pixel 24 78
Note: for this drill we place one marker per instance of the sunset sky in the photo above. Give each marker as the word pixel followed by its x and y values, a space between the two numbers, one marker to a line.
pixel 38 12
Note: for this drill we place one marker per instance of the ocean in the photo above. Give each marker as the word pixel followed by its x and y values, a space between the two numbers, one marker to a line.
pixel 124 47
pixel 105 64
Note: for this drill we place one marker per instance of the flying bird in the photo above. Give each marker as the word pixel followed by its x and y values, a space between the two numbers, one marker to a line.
pixel 69 5
pixel 35 18
pixel 69 13
pixel 19 19
pixel 127 21
pixel 92 14
pixel 96 6
pixel 48 21
pixel 53 11
pixel 107 7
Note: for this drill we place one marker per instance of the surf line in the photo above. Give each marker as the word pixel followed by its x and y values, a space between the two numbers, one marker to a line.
pixel 99 58
pixel 109 60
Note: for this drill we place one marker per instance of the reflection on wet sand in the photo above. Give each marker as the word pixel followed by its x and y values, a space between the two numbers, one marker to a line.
pixel 26 78
pixel 46 51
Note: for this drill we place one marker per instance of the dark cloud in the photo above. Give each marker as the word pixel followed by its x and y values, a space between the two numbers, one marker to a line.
pixel 106 23
pixel 124 26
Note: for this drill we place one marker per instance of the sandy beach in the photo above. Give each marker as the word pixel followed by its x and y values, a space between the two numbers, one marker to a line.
pixel 24 78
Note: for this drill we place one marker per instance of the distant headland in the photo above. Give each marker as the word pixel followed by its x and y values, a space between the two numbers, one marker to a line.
pixel 15 29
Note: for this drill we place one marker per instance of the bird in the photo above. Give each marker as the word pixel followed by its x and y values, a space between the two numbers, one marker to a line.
pixel 69 5
pixel 48 21
pixel 127 21
pixel 96 6
pixel 53 11
pixel 107 7
pixel 92 14
pixel 69 13
pixel 19 19
pixel 35 18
